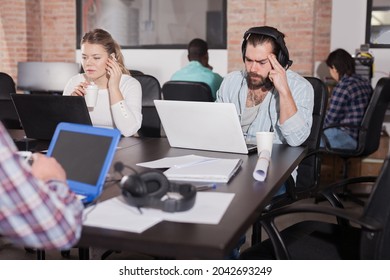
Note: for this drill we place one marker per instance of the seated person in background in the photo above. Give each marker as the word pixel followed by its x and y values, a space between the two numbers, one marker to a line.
pixel 37 209
pixel 120 96
pixel 348 102
pixel 199 70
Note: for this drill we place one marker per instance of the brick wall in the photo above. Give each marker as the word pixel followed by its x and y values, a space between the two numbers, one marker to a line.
pixel 45 30
pixel 36 30
pixel 306 24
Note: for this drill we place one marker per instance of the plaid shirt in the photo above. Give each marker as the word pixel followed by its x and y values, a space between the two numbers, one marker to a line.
pixel 34 213
pixel 349 100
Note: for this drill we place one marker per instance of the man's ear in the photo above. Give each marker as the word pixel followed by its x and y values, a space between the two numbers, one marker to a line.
pixel 205 60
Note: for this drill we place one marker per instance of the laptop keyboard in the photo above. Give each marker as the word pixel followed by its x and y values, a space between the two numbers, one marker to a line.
pixel 251 148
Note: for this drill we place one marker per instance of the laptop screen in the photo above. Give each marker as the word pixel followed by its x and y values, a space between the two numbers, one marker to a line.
pixel 81 155
pixel 202 125
pixel 86 153
pixel 41 113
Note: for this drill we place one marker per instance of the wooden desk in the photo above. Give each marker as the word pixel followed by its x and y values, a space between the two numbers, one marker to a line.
pixel 192 241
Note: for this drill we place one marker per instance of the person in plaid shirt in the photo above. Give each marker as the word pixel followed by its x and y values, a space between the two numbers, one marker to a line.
pixel 37 209
pixel 348 103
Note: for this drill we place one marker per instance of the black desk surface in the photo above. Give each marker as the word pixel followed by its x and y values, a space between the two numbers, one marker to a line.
pixel 199 241
pixel 18 136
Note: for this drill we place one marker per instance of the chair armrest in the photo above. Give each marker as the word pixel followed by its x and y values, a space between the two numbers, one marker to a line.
pixel 348 181
pixel 330 191
pixel 268 222
pixel 281 251
pixel 368 224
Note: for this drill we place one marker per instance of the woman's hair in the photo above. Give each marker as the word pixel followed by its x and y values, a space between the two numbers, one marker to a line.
pixel 342 61
pixel 102 37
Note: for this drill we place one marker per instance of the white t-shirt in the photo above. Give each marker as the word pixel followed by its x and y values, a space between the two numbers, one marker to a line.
pixel 125 115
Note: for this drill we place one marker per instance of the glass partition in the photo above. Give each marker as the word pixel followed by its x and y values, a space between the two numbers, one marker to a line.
pixel 155 23
pixel 378 23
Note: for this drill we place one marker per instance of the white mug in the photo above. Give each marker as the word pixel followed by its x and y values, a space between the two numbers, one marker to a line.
pixel 264 140
pixel 91 95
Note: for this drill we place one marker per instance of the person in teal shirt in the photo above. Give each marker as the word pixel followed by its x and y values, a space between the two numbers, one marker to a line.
pixel 199 70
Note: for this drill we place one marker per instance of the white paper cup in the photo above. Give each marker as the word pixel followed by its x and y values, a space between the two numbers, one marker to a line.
pixel 91 95
pixel 264 140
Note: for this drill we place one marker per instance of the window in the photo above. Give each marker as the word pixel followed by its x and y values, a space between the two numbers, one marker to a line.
pixel 155 23
pixel 378 23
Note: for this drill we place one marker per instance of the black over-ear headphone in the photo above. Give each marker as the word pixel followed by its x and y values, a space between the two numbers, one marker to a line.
pixel 149 189
pixel 282 56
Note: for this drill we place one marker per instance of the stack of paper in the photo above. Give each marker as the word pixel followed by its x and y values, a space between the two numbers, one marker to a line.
pixel 196 168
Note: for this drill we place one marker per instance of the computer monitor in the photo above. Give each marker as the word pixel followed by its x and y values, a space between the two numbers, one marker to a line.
pixel 42 77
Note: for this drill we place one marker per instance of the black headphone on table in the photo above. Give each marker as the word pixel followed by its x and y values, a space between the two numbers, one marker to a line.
pixel 151 188
pixel 283 55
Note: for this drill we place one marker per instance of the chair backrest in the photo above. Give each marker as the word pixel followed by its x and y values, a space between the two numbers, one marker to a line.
pixel 369 135
pixel 135 72
pixel 187 91
pixel 376 245
pixel 7 86
pixel 309 169
pixel 151 90
pixel 8 114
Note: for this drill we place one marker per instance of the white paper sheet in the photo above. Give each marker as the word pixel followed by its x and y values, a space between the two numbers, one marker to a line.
pixel 209 208
pixel 116 214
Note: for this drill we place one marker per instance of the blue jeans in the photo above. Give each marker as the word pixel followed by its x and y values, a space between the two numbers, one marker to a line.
pixel 339 139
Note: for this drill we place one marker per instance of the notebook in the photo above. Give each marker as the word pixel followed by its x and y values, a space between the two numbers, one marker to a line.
pixel 86 153
pixel 203 126
pixel 40 114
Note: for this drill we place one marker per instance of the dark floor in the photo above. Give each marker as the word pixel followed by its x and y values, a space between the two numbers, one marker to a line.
pixel 11 252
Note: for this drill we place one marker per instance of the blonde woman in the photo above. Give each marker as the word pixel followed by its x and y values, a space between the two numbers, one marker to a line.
pixel 120 95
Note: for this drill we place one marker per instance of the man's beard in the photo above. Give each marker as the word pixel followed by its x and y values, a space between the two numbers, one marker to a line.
pixel 257 84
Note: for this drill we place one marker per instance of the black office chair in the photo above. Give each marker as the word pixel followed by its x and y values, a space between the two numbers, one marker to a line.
pixel 310 240
pixel 8 114
pixel 151 90
pixel 309 169
pixel 7 86
pixel 369 133
pixel 136 72
pixel 187 91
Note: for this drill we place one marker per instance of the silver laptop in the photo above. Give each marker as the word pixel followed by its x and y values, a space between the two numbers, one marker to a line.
pixel 203 126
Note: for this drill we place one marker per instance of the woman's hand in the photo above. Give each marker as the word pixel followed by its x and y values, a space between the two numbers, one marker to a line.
pixel 80 90
pixel 114 73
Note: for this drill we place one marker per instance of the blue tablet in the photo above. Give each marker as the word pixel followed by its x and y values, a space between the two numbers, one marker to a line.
pixel 86 153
